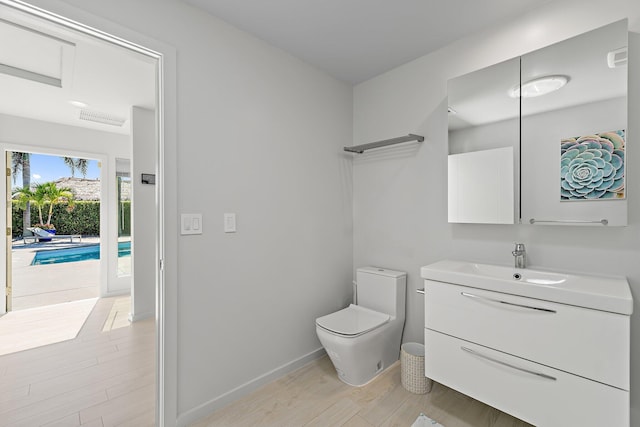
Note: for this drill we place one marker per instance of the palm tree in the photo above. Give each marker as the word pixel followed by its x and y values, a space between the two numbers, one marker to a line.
pixel 53 196
pixel 26 197
pixel 42 195
pixel 22 162
pixel 70 161
pixel 75 163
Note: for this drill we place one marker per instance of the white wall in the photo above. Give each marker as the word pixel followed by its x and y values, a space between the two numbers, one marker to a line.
pixel 400 204
pixel 49 138
pixel 259 133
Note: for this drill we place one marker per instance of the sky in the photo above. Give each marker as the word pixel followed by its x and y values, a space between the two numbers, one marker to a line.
pixel 45 168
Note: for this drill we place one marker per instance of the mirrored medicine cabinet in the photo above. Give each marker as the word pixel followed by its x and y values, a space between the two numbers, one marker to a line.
pixel 541 138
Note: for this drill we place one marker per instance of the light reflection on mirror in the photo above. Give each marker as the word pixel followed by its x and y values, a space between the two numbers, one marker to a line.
pixel 484 125
pixel 590 110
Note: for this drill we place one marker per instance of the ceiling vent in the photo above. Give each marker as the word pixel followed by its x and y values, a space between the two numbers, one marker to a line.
pixel 617 58
pixel 100 117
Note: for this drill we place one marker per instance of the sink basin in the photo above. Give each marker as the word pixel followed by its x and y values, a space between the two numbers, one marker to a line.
pixel 499 272
pixel 597 292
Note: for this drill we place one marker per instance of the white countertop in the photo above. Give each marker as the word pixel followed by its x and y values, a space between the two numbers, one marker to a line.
pixel 604 293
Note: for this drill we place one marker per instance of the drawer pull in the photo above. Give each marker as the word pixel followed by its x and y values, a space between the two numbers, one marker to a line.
pixel 500 362
pixel 465 294
pixel 420 291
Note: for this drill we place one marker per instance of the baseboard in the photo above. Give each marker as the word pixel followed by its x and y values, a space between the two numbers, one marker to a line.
pixel 207 408
pixel 140 316
pixel 117 293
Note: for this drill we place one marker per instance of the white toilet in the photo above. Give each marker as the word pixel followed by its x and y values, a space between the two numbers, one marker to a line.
pixel 364 339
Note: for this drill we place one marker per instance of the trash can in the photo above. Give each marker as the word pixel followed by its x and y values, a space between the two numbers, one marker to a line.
pixel 412 368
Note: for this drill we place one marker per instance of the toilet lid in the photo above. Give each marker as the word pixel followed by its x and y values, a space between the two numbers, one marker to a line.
pixel 352 321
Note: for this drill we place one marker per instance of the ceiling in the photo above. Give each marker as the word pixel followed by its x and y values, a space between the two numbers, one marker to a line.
pixel 43 68
pixel 355 40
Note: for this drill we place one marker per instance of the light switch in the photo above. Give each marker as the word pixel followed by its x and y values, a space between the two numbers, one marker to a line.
pixel 229 223
pixel 190 224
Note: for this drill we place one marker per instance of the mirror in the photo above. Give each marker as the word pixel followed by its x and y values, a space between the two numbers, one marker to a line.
pixel 484 145
pixel 123 197
pixel 567 146
pixel 573 139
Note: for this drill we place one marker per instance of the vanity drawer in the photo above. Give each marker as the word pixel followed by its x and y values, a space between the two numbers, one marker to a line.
pixel 534 393
pixel 590 343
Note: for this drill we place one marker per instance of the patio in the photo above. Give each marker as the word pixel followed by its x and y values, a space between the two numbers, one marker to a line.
pixel 40 285
pixel 52 301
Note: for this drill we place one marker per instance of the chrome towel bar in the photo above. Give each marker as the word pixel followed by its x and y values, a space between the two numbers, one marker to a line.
pixel 363 147
pixel 568 221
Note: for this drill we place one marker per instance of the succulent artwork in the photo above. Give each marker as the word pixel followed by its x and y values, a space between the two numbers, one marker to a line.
pixel 592 166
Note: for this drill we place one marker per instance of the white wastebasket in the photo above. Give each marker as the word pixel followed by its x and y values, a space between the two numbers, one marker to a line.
pixel 412 368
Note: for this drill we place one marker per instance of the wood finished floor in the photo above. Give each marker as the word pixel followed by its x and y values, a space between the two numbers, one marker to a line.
pixel 35 327
pixel 314 396
pixel 98 379
pixel 102 379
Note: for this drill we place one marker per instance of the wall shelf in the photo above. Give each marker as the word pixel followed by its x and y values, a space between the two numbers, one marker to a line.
pixel 363 147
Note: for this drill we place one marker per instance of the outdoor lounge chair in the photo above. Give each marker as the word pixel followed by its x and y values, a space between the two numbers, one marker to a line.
pixel 37 234
pixel 28 234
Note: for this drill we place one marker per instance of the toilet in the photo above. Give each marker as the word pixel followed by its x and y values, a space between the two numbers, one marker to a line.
pixel 364 339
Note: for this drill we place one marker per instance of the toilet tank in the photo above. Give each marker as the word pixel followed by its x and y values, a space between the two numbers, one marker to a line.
pixel 382 290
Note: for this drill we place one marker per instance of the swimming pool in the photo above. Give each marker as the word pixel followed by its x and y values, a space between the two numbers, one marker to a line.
pixel 81 253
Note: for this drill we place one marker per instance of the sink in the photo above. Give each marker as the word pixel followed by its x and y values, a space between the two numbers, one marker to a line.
pixel 499 272
pixel 597 292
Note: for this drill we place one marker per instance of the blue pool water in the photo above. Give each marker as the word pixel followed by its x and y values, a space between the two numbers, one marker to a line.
pixel 81 253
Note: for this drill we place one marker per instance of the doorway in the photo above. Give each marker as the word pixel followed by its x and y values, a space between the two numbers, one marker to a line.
pixel 55 229
pixel 24 16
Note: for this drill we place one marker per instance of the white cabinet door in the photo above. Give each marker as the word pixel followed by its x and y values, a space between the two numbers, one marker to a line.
pixel 534 393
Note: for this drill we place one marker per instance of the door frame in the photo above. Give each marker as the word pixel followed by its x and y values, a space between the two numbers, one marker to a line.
pixel 165 56
pixel 7 302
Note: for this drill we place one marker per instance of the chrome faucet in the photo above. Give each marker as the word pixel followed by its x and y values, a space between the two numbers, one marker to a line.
pixel 520 255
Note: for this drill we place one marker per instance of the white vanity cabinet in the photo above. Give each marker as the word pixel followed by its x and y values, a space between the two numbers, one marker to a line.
pixel 545 362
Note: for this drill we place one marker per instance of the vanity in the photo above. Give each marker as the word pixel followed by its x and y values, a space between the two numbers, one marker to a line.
pixel 552 349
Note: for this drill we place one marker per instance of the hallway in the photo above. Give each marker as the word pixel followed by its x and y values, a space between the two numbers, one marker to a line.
pixel 97 379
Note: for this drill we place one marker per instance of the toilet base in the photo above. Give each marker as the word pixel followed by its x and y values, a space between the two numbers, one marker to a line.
pixel 358 360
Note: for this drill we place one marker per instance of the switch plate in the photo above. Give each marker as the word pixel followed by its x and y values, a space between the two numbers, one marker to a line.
pixel 229 223
pixel 190 224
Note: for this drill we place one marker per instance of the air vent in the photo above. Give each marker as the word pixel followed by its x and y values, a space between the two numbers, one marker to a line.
pixel 617 58
pixel 100 117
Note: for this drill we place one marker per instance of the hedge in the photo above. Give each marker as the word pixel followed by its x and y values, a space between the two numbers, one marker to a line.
pixel 83 219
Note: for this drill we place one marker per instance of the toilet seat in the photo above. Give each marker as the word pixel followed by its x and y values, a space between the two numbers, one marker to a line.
pixel 352 321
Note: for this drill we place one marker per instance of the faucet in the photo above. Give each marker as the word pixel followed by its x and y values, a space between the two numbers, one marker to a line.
pixel 520 256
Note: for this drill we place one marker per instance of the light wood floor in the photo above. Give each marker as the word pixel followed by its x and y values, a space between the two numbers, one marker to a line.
pixel 314 396
pixel 98 379
pixel 35 327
